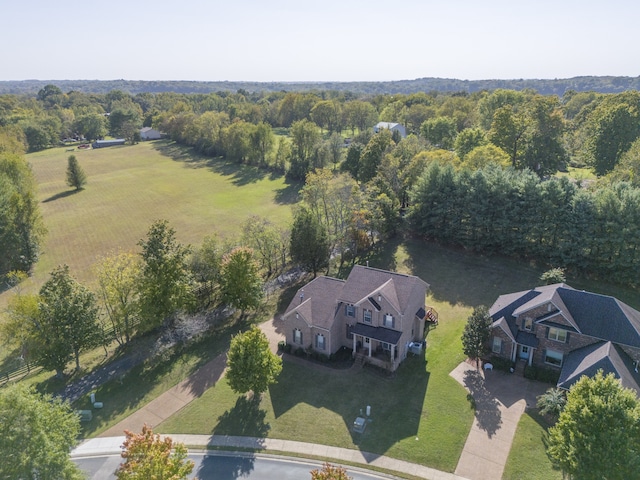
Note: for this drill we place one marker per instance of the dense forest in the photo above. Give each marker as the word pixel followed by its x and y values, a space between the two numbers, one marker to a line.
pixel 483 170
pixel 556 86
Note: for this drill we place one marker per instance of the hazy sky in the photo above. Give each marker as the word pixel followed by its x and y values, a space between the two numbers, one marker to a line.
pixel 327 40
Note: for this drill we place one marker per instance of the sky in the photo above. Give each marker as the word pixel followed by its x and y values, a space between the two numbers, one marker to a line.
pixel 328 40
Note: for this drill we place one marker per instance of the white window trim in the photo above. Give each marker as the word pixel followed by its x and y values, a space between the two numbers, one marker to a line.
pixel 498 344
pixel 546 355
pixel 364 316
pixel 297 336
pixel 557 331
pixel 318 342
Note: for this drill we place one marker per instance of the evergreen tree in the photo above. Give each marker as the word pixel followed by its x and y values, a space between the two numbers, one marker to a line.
pixel 75 174
pixel 476 333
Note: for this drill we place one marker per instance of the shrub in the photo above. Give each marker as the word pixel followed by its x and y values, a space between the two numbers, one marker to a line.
pixel 300 352
pixel 501 363
pixel 542 374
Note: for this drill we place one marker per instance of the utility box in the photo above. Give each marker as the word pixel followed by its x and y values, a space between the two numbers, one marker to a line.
pixel 85 415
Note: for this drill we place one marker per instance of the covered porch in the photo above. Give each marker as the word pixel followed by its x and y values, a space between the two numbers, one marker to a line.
pixel 524 347
pixel 376 345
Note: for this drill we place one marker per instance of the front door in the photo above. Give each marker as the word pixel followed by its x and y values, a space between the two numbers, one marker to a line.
pixel 524 352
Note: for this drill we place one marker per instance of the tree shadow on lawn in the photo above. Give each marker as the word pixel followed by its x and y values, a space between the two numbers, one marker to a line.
pixel 396 403
pixel 241 174
pixel 485 404
pixel 457 276
pixel 59 195
pixel 245 419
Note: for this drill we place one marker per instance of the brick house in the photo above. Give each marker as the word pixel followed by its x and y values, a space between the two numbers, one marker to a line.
pixel 376 313
pixel 573 331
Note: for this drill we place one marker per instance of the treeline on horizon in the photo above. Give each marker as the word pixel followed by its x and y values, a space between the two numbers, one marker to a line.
pixel 601 84
pixel 492 145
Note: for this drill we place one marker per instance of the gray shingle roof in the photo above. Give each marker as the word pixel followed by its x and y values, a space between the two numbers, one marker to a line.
pixel 603 317
pixel 377 333
pixel 605 356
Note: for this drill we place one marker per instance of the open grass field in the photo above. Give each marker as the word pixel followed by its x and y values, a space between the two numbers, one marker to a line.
pixel 131 186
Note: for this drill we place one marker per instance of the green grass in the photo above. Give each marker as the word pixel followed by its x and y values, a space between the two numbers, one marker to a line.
pixel 527 459
pixel 131 186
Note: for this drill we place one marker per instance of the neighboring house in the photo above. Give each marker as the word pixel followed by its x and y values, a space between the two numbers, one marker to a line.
pixel 573 331
pixel 108 143
pixel 391 126
pixel 376 313
pixel 148 133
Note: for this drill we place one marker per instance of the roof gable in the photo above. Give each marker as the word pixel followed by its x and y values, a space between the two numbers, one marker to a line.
pixel 603 317
pixel 396 288
pixel 604 356
pixel 316 301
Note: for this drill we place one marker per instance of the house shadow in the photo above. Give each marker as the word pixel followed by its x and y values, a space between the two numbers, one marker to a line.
pixel 59 195
pixel 458 276
pixel 348 393
pixel 227 467
pixel 488 416
pixel 245 419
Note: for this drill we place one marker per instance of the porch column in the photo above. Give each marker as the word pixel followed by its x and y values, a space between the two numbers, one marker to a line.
pixel 369 347
pixel 531 349
pixel 393 352
pixel 514 349
pixel 353 350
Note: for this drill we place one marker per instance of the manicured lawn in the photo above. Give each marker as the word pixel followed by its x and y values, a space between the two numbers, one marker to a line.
pixel 527 459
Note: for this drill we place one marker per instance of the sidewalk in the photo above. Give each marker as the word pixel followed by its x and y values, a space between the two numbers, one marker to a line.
pixel 174 399
pixel 111 445
pixel 500 399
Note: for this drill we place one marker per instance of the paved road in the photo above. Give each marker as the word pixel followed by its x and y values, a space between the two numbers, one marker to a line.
pixel 228 466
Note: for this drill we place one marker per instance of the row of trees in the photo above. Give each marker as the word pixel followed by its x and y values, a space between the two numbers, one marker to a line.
pixel 540 132
pixel 21 225
pixel 513 212
pixel 137 293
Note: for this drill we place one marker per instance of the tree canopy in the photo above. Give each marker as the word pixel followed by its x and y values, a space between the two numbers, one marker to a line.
pixel 38 432
pixel 67 321
pixel 147 455
pixel 598 432
pixel 252 366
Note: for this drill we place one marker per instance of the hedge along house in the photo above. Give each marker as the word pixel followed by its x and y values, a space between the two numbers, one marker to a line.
pixel 375 313
pixel 572 331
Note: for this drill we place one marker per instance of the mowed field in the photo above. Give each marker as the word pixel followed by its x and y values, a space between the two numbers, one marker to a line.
pixel 131 186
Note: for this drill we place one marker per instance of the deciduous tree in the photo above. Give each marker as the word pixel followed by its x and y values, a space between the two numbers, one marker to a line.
pixel 240 281
pixel 67 321
pixel 147 455
pixel 309 241
pixel 598 432
pixel 165 285
pixel 330 472
pixel 118 278
pixel 252 366
pixel 38 432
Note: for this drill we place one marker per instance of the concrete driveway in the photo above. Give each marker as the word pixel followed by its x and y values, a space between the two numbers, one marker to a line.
pixel 500 399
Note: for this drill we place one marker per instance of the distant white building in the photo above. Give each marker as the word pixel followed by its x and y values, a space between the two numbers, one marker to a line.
pixel 148 133
pixel 391 126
